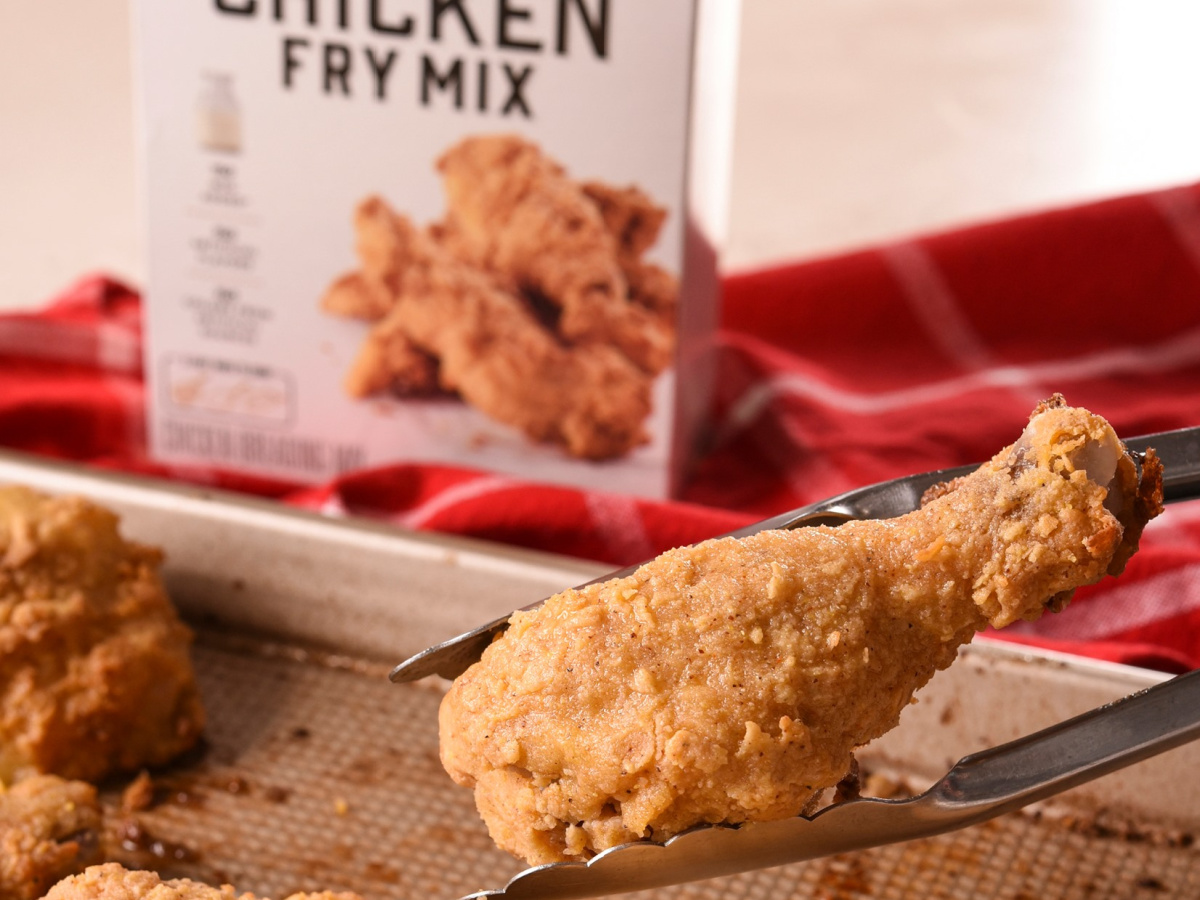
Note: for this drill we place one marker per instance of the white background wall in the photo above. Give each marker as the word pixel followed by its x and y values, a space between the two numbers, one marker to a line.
pixel 858 121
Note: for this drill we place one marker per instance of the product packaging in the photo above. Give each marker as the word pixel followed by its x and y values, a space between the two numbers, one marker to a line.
pixel 470 232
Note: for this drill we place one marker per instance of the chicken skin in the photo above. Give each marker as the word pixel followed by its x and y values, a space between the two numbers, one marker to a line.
pixel 515 212
pixel 531 300
pixel 49 828
pixel 95 676
pixel 491 349
pixel 113 881
pixel 732 680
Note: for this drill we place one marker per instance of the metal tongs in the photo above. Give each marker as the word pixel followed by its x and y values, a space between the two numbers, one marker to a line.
pixel 979 787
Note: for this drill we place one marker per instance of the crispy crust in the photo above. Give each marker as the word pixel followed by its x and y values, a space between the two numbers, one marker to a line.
pixel 49 828
pixel 355 296
pixel 498 357
pixel 532 249
pixel 516 213
pixel 732 680
pixel 114 882
pixel 95 675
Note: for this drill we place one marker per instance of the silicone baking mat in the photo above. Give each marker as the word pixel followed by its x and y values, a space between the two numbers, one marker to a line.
pixel 317 773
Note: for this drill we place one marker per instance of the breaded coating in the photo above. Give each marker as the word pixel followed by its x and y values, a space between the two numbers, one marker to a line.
pixel 515 212
pixel 492 350
pixel 114 882
pixel 655 289
pixel 388 360
pixel 95 676
pixel 556 265
pixel 635 220
pixel 629 215
pixel 355 296
pixel 49 828
pixel 731 681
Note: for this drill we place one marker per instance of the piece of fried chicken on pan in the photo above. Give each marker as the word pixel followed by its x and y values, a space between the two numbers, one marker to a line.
pixel 514 211
pixel 113 881
pixel 492 350
pixel 95 676
pixel 731 681
pixel 49 828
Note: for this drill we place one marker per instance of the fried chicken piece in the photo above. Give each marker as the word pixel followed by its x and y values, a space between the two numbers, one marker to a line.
pixel 635 220
pixel 629 215
pixel 514 211
pixel 94 669
pixel 138 794
pixel 731 681
pixel 492 350
pixel 655 289
pixel 114 882
pixel 354 296
pixel 49 828
pixel 389 361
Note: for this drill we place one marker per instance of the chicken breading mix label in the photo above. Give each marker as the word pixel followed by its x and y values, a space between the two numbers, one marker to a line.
pixel 453 231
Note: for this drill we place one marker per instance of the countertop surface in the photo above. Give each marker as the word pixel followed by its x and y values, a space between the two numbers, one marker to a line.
pixel 858 121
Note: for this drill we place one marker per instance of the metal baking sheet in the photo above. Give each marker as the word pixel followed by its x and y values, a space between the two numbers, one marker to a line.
pixel 317 773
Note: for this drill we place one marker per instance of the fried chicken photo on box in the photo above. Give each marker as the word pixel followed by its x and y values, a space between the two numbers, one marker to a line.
pixel 489 347
pixel 49 828
pixel 634 221
pixel 95 675
pixel 114 882
pixel 566 262
pixel 514 211
pixel 732 680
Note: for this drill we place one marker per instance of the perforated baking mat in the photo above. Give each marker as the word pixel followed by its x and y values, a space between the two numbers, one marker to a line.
pixel 318 773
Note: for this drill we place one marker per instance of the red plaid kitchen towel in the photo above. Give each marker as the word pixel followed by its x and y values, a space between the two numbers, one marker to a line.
pixel 832 374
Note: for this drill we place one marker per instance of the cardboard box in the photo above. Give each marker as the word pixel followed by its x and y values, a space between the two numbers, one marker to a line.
pixel 474 232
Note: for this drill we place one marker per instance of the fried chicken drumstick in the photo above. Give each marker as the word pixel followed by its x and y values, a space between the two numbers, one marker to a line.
pixel 732 680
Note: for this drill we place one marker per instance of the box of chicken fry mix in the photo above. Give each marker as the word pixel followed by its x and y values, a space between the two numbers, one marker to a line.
pixel 471 232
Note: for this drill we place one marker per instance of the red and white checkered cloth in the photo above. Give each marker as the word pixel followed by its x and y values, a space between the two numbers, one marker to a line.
pixel 833 374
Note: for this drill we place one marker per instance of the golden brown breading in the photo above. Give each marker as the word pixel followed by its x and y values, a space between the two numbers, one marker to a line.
pixel 389 361
pixel 354 296
pixel 49 828
pixel 655 289
pixel 114 882
pixel 629 215
pixel 635 220
pixel 492 350
pixel 94 668
pixel 515 212
pixel 731 681
pixel 536 250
